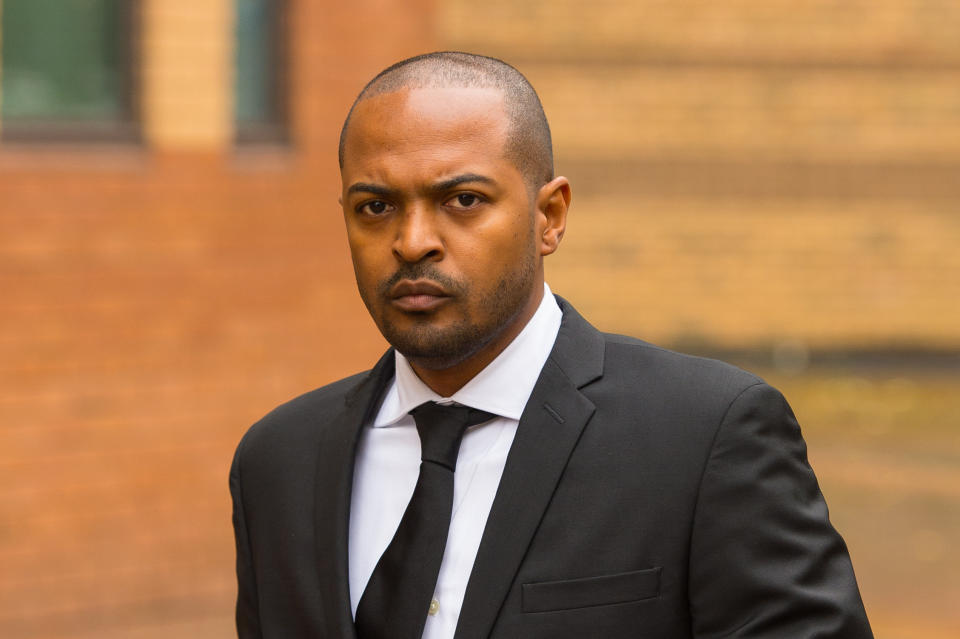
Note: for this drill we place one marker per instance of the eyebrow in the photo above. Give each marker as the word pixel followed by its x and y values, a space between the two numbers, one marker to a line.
pixel 375 189
pixel 446 185
pixel 439 187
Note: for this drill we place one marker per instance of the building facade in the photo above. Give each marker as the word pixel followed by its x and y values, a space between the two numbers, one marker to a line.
pixel 748 177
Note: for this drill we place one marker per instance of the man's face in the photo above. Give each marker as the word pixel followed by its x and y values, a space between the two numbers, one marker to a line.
pixel 442 229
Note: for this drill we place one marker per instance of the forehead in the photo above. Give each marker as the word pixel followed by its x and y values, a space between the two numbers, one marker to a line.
pixel 427 125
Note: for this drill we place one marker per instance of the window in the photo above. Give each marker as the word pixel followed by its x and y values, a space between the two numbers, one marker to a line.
pixel 259 63
pixel 66 69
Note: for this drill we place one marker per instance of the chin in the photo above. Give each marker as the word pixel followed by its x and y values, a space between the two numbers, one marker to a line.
pixel 438 349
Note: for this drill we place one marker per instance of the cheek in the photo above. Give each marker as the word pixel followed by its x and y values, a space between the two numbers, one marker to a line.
pixel 516 240
pixel 363 267
pixel 487 259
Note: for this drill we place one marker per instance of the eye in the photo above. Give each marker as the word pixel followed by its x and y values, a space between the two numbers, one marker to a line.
pixel 374 207
pixel 464 201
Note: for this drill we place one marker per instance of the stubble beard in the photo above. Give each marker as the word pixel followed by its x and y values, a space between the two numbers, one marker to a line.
pixel 438 348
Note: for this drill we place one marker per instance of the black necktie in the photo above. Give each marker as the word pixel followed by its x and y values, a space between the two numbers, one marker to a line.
pixel 397 598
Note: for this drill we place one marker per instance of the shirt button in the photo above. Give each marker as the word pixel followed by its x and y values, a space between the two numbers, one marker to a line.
pixel 434 607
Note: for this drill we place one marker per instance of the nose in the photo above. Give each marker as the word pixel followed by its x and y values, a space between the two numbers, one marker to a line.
pixel 417 236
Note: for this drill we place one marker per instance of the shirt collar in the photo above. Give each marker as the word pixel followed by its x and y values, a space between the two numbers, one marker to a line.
pixel 502 388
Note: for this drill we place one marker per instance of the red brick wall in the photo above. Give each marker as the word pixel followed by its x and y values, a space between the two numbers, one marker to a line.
pixel 154 304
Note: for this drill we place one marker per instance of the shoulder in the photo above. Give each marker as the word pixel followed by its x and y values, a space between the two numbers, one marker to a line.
pixel 684 397
pixel 298 422
pixel 315 403
pixel 632 376
pixel 636 362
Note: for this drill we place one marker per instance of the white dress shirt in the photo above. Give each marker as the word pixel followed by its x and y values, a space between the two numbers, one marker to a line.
pixel 388 463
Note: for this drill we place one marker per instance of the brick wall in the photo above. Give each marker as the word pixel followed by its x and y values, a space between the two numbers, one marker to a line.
pixel 779 179
pixel 745 173
pixel 155 301
pixel 186 73
pixel 749 173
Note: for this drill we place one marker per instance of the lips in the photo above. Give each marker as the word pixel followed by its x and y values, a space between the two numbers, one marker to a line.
pixel 418 296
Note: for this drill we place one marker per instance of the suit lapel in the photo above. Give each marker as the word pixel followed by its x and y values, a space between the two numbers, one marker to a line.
pixel 549 429
pixel 333 486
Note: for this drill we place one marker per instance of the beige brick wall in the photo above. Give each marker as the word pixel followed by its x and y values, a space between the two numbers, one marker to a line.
pixel 895 31
pixel 187 74
pixel 830 273
pixel 859 115
pixel 752 172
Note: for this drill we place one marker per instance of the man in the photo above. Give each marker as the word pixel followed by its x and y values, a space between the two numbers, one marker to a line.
pixel 610 489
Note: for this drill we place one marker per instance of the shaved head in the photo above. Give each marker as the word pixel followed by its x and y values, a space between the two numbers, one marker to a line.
pixel 528 138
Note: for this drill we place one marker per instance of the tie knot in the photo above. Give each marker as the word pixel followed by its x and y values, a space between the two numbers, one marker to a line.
pixel 441 428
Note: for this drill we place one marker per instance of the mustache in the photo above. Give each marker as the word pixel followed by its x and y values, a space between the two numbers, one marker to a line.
pixel 420 271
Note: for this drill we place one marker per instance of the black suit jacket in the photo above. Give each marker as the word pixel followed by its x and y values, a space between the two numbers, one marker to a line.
pixel 647 494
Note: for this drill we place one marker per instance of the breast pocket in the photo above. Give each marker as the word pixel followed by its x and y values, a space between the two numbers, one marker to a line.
pixel 604 590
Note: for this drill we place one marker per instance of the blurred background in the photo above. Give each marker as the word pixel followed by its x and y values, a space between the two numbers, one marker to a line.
pixel 775 183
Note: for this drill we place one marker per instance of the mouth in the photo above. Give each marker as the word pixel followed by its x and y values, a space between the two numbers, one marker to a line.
pixel 418 296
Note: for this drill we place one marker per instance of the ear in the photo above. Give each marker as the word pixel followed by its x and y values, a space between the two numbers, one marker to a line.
pixel 553 201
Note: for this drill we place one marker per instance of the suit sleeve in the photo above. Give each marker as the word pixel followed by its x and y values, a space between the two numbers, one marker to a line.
pixel 247 614
pixel 764 559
